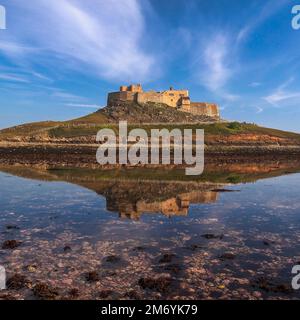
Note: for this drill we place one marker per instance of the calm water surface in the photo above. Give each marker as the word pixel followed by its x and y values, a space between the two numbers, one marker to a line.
pixel 136 240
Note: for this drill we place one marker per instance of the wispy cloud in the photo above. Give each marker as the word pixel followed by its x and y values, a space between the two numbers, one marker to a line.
pixel 255 84
pixel 282 94
pixel 100 37
pixel 214 66
pixel 14 49
pixel 269 8
pixel 13 78
pixel 259 110
pixel 78 105
pixel 215 60
pixel 66 95
pixel 279 96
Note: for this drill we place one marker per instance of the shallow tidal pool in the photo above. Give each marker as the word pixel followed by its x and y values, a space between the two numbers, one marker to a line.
pixel 60 240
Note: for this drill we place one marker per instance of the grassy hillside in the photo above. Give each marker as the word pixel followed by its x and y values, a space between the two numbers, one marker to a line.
pixel 140 116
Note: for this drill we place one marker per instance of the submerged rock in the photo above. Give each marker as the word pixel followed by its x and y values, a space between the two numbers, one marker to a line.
pixel 173 268
pixel 45 292
pixel 270 286
pixel 210 236
pixel 67 249
pixel 12 227
pixel 167 258
pixel 161 284
pixel 194 247
pixel 92 276
pixel 74 293
pixel 112 259
pixel 17 282
pixel 11 244
pixel 104 294
pixel 227 256
pixel 133 295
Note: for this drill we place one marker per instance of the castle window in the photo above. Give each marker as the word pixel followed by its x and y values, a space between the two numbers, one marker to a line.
pixel 171 94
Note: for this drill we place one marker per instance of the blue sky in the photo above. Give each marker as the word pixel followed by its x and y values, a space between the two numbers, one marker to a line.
pixel 59 58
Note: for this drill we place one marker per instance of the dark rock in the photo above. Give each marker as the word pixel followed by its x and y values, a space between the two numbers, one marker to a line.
pixel 12 227
pixel 194 247
pixel 210 236
pixel 11 244
pixel 92 276
pixel 139 248
pixel 112 259
pixel 161 284
pixel 268 286
pixel 268 243
pixel 44 292
pixel 133 295
pixel 282 288
pixel 74 293
pixel 227 256
pixel 173 268
pixel 17 282
pixel 166 258
pixel 104 294
pixel 67 249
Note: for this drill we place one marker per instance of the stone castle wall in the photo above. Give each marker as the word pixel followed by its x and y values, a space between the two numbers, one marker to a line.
pixel 203 108
pixel 178 99
pixel 115 97
pixel 171 97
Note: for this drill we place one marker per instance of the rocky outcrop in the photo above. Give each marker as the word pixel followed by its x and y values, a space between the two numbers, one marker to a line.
pixel 151 113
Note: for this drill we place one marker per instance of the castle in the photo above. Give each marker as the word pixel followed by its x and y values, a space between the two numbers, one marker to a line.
pixel 178 99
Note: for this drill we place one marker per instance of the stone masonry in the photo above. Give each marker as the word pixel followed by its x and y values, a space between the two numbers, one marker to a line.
pixel 178 99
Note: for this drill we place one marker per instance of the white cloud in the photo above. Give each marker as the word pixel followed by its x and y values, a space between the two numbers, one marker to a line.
pixel 216 72
pixel 279 96
pixel 13 78
pixel 255 84
pixel 101 37
pixel 214 66
pixel 282 94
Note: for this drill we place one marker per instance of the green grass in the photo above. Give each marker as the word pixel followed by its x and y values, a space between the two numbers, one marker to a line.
pixel 93 118
pixel 91 124
pixel 29 129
